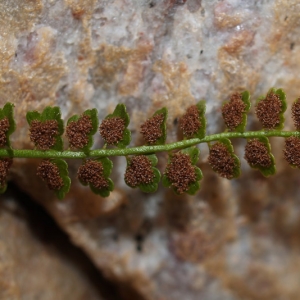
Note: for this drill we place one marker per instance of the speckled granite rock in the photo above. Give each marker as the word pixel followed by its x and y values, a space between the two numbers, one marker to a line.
pixel 233 240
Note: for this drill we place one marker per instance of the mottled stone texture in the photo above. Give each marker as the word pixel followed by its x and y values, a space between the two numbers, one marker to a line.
pixel 233 240
pixel 37 261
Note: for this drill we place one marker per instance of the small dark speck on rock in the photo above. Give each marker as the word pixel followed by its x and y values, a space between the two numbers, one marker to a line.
pixel 292 46
pixel 201 51
pixel 139 241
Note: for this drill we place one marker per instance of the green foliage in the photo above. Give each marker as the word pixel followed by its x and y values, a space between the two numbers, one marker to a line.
pixel 189 182
pixel 93 114
pixel 163 126
pixel 3 189
pixel 246 99
pixel 121 112
pixel 64 174
pixel 200 134
pixel 8 112
pixel 282 97
pixel 49 113
pixel 194 186
pixel 153 185
pixel 202 108
pixel 237 164
pixel 266 170
pixel 194 154
pixel 107 168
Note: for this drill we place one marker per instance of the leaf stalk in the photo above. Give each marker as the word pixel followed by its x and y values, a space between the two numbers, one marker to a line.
pixel 25 153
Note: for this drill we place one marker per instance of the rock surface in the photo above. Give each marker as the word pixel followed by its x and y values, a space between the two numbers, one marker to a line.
pixel 233 240
pixel 36 259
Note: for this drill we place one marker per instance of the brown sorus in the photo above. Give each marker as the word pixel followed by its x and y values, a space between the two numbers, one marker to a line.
pixel 268 111
pixel 43 134
pixel 292 151
pixel 92 172
pixel 296 113
pixel 4 126
pixel 112 129
pixel 49 172
pixel 190 122
pixel 221 160
pixel 257 154
pixel 151 129
pixel 181 172
pixel 5 164
pixel 139 171
pixel 77 132
pixel 233 111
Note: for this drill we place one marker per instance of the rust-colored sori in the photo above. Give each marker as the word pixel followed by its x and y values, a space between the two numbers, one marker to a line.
pixel 151 129
pixel 43 134
pixel 190 121
pixel 4 126
pixel 221 160
pixel 233 111
pixel 139 171
pixel 49 172
pixel 268 111
pixel 181 172
pixel 5 164
pixel 112 129
pixel 257 154
pixel 77 132
pixel 92 172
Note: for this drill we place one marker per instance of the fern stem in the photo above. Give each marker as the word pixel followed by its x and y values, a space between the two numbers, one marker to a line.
pixel 143 149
